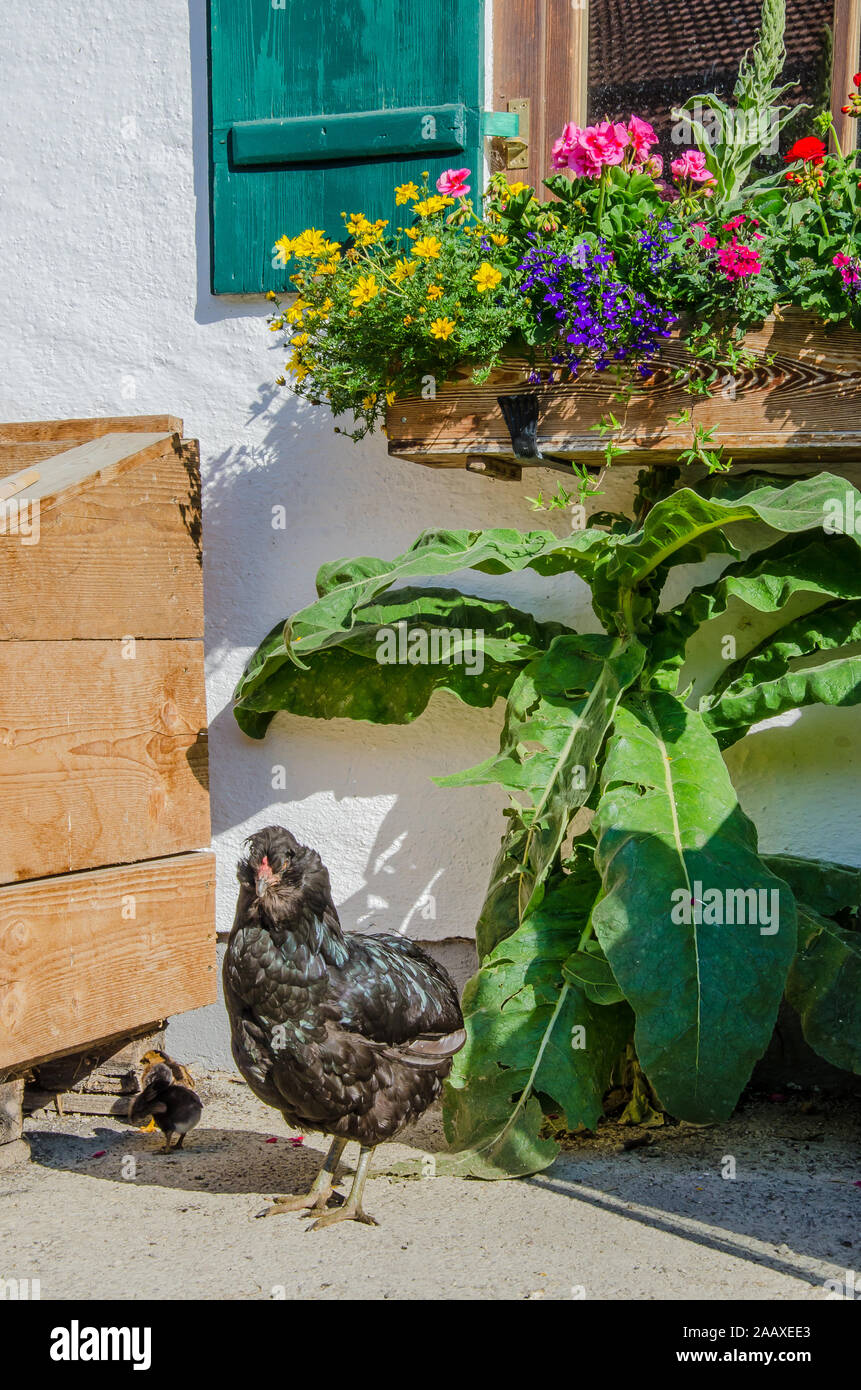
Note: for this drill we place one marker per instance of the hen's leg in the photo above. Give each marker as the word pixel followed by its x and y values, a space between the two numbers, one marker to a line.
pixel 321 1190
pixel 352 1209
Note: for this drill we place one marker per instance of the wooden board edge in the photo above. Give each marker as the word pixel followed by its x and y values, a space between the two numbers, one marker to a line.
pixel 86 429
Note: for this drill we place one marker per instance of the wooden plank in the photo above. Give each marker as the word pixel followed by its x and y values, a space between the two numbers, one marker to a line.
pixel 805 402
pixel 86 465
pixel 120 556
pixel 846 62
pixel 69 432
pixel 103 754
pixel 539 52
pixel 74 966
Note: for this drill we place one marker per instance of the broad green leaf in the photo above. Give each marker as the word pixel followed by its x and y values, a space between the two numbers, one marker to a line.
pixel 347 586
pixel 824 984
pixel 835 625
pixel 424 629
pixel 591 972
pixel 730 715
pixel 824 988
pixel 828 887
pixel 531 1033
pixel 669 829
pixel 558 717
pixel 765 581
pixel 688 526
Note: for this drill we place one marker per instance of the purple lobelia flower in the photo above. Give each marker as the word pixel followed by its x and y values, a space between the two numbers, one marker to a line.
pixel 599 318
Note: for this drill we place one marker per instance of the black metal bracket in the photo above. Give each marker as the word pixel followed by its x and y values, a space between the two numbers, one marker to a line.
pixel 521 413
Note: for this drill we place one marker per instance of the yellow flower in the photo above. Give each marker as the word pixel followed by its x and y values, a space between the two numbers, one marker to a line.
pixel 312 242
pixel 405 193
pixel 499 238
pixel 368 402
pixel 435 292
pixel 270 294
pixel 442 328
pixel 428 206
pixel 283 249
pixel 390 398
pixel 297 367
pixel 487 277
pixel 275 324
pixel 365 232
pixel 403 269
pixel 412 233
pixel 515 188
pixel 296 310
pixel 428 248
pixel 408 320
pixel 364 290
pixel 328 267
pixel 300 340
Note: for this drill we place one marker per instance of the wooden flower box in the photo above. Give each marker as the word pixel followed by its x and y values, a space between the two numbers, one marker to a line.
pixel 106 880
pixel 803 398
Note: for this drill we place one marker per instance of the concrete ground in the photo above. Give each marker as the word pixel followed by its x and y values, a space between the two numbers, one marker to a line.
pixel 99 1213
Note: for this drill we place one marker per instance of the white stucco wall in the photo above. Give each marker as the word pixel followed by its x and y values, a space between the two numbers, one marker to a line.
pixel 104 282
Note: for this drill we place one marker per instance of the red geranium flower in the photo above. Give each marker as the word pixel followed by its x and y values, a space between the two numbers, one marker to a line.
pixel 857 79
pixel 811 150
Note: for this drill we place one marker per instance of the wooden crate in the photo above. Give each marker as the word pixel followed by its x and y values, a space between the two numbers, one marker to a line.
pixel 107 920
pixel 76 966
pixel 802 398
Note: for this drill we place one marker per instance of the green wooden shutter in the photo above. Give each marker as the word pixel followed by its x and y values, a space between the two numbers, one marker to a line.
pixel 322 106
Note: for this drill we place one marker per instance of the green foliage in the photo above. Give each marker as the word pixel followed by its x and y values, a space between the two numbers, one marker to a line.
pixel 599 943
pixel 391 311
pixel 732 137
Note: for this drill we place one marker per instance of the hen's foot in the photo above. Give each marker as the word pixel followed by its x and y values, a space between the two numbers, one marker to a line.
pixel 303 1201
pixel 348 1212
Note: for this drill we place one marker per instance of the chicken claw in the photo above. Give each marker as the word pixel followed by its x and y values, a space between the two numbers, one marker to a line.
pixel 347 1212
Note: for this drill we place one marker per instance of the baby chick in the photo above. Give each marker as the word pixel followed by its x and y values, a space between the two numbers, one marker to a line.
pixel 167 1096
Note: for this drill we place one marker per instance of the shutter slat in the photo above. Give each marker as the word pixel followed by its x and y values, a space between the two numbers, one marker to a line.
pixel 412 130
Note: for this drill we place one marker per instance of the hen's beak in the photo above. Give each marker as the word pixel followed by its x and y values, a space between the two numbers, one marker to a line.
pixel 265 878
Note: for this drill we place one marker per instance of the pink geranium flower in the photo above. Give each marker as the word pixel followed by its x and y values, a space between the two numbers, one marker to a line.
pixel 563 147
pixel 452 183
pixel 848 267
pixel 641 138
pixel 708 242
pixel 738 261
pixel 691 166
pixel 606 143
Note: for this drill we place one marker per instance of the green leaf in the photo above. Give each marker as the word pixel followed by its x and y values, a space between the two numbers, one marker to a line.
pixel 531 1033
pixel 731 714
pixel 345 679
pixel 705 995
pixel 558 716
pixel 591 972
pixel 824 984
pixel 834 625
pixel 765 581
pixel 830 888
pixel 347 586
pixel 824 988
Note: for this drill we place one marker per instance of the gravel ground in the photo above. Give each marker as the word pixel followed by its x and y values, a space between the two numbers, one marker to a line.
pixel 655 1222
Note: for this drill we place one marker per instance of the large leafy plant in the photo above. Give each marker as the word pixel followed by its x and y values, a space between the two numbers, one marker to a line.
pixel 602 930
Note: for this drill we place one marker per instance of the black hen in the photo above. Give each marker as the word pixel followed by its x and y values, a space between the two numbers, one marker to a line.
pixel 349 1034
